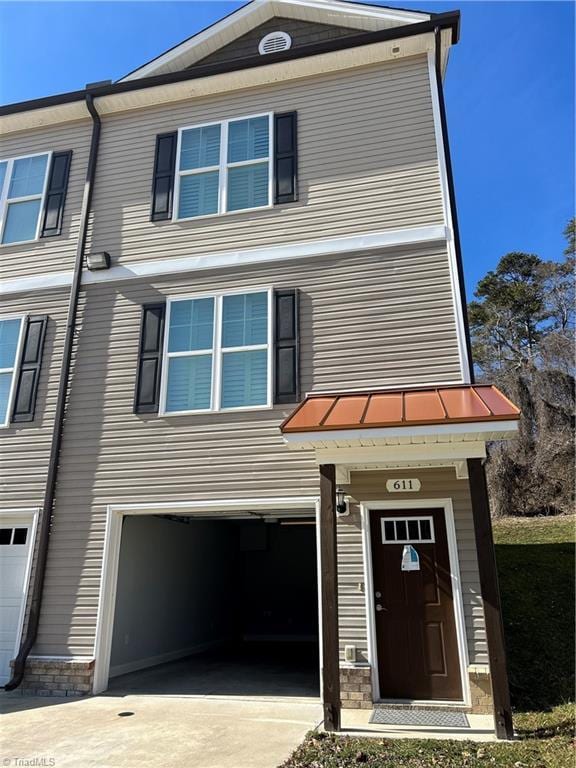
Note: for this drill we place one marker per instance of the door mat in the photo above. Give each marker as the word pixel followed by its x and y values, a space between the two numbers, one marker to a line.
pixel 436 718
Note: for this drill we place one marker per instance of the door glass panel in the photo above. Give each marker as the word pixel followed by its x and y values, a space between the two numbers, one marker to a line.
pixel 413 529
pixel 389 531
pixel 401 532
pixel 5 536
pixel 425 530
pixel 20 536
pixel 407 530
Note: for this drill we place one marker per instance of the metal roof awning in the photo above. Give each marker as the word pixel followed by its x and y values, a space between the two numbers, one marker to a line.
pixel 449 414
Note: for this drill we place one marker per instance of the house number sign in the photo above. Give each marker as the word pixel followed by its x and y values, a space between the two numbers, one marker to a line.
pixel 403 486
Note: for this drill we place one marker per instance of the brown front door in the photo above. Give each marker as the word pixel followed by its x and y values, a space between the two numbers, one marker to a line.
pixel 416 636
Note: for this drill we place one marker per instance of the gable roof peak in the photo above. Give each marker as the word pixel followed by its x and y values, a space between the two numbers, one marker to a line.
pixel 345 13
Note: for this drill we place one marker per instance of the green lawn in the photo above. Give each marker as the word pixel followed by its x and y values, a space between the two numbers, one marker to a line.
pixel 536 569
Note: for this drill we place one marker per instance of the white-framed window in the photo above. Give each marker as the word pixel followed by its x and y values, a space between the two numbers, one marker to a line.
pixel 407 530
pixel 218 353
pixel 11 328
pixel 224 167
pixel 23 182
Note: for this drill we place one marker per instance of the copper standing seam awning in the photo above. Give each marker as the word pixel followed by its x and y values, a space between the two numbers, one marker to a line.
pixel 401 408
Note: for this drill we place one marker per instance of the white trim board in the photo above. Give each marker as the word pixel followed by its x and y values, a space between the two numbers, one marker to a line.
pixel 237 258
pixel 463 659
pixel 111 559
pixel 454 277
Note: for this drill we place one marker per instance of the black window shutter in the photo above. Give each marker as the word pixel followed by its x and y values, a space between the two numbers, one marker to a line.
pixel 285 157
pixel 286 346
pixel 28 373
pixel 56 193
pixel 147 395
pixel 164 170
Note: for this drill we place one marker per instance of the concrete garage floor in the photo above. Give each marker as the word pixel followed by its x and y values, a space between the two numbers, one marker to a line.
pixel 251 670
pixel 171 731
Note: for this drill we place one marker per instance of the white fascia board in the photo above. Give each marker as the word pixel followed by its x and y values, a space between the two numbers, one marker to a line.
pixel 382 456
pixel 228 259
pixel 351 9
pixel 383 433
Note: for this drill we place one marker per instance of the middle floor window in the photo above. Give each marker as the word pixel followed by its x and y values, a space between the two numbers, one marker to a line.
pixel 218 353
pixel 224 167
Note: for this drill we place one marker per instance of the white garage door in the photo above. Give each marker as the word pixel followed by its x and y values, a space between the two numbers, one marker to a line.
pixel 15 542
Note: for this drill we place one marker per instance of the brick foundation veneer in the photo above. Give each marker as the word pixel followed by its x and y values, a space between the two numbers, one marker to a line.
pixel 57 677
pixel 356 688
pixel 480 693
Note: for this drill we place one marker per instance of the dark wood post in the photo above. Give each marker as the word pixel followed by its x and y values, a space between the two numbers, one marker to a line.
pixel 329 589
pixel 490 599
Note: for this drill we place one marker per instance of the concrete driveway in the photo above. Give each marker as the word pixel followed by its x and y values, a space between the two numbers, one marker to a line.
pixel 160 731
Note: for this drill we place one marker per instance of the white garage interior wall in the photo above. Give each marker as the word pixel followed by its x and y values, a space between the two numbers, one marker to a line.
pixel 186 585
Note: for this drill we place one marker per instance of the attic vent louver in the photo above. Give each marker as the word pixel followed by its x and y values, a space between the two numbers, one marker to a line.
pixel 274 43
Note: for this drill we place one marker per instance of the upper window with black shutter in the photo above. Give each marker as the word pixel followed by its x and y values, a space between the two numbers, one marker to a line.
pixel 231 166
pixel 32 194
pixel 10 342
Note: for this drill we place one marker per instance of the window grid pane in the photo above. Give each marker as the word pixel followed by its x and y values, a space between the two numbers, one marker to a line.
pixel 200 147
pixel 244 379
pixel 189 383
pixel 247 186
pixel 9 334
pixel 21 221
pixel 5 385
pixel 191 325
pixel 248 139
pixel 198 195
pixel 28 175
pixel 3 168
pixel 244 320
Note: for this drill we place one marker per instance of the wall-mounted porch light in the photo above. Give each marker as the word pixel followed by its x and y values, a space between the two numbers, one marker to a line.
pixel 96 261
pixel 341 506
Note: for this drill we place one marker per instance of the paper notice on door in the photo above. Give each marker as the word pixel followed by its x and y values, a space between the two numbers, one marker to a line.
pixel 410 558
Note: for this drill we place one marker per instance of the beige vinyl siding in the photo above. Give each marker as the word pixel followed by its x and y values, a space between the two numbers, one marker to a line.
pixel 440 483
pixel 25 446
pixel 352 619
pixel 356 331
pixel 50 254
pixel 367 162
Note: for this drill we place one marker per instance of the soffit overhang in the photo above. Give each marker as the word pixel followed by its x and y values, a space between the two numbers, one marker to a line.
pixel 307 61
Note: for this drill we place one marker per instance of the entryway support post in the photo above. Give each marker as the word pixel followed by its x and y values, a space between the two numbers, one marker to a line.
pixel 329 589
pixel 490 599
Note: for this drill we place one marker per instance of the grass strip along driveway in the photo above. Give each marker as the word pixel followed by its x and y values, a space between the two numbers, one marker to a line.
pixel 536 571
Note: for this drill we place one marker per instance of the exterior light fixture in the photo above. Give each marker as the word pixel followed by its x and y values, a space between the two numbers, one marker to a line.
pixel 341 506
pixel 96 261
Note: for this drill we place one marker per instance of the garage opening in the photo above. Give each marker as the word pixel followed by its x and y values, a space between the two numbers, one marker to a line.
pixel 216 606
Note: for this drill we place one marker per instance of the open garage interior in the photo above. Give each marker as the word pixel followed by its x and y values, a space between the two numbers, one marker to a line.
pixel 216 607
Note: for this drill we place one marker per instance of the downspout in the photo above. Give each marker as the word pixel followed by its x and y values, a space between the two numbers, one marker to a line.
pixel 52 476
pixel 451 194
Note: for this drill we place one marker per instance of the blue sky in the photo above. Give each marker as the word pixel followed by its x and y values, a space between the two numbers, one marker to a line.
pixel 509 94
